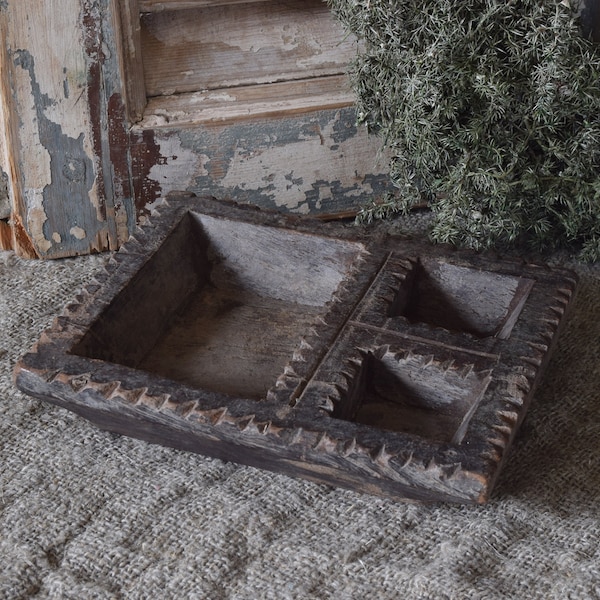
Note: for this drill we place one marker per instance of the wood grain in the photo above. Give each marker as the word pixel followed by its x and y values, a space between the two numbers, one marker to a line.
pixel 237 45
pixel 161 5
pixel 233 342
pixel 234 105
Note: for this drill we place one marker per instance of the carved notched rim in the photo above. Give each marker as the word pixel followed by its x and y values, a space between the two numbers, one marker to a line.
pixel 295 420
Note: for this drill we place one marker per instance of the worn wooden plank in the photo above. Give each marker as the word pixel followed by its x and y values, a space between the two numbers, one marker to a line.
pixel 272 100
pixel 6 140
pixel 54 54
pixel 9 178
pixel 291 145
pixel 56 158
pixel 228 46
pixel 161 5
pixel 15 234
pixel 126 18
pixel 313 162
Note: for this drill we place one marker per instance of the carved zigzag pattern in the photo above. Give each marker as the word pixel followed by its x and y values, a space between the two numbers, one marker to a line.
pixel 379 458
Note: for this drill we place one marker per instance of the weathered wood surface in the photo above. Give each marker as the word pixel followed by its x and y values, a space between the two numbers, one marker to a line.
pixel 238 45
pixel 125 19
pixel 314 162
pixel 250 101
pixel 10 198
pixel 232 343
pixel 6 132
pixel 63 186
pixel 84 149
pixel 161 5
pixel 109 105
pixel 355 392
pixel 234 105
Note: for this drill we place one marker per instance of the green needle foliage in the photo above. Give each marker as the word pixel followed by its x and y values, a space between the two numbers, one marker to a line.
pixel 491 111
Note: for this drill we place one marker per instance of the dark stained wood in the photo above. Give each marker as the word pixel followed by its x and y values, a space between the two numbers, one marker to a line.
pixel 234 343
pixel 319 350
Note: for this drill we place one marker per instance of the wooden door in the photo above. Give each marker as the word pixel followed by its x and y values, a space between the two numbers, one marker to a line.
pixel 248 100
pixel 107 105
pixel 64 196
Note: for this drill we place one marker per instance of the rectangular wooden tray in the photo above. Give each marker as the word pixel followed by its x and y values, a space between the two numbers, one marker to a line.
pixel 323 351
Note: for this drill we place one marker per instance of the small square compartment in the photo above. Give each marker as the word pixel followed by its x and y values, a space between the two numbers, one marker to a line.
pixel 411 393
pixel 222 305
pixel 461 299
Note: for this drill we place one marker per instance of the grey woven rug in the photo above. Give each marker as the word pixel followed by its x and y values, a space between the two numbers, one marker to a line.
pixel 87 514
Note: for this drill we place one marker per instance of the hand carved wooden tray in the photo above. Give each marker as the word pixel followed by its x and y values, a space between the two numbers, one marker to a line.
pixel 367 361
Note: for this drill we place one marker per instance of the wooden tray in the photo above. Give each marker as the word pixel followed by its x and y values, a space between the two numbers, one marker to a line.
pixel 362 360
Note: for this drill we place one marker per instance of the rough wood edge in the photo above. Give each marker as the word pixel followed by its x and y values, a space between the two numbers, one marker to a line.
pixel 245 103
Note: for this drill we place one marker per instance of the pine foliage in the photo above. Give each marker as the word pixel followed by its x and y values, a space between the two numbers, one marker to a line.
pixel 491 111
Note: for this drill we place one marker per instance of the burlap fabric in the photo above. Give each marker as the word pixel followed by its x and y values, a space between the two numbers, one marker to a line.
pixel 87 514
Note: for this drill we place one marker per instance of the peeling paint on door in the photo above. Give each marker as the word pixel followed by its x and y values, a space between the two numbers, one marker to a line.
pixel 317 162
pixel 55 179
pixel 83 172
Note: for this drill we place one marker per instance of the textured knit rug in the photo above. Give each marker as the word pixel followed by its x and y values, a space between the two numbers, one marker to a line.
pixel 88 514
